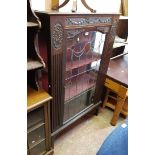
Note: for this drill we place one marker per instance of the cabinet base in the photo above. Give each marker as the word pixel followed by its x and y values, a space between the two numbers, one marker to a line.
pixel 86 111
pixel 51 152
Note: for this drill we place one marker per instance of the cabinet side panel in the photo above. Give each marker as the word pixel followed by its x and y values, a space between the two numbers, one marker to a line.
pixel 57 74
pixel 52 47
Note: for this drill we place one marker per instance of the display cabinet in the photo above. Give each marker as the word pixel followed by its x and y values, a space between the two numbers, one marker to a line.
pixel 76 49
pixel 38 101
pixel 38 123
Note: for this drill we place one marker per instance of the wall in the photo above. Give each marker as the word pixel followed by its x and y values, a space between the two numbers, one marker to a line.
pixel 103 6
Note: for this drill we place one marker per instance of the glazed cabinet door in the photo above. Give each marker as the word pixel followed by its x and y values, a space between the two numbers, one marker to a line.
pixel 38 131
pixel 82 55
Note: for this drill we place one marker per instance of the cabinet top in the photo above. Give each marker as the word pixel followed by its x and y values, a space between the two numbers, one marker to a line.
pixel 36 98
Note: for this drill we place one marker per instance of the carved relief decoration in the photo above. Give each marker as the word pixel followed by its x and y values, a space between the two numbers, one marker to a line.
pixel 109 44
pixel 57 35
pixel 88 20
pixel 112 33
pixel 73 33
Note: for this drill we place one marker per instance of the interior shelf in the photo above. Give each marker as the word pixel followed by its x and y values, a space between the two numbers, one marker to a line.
pixel 35 118
pixel 91 67
pixel 79 63
pixel 32 24
pixel 36 98
pixel 37 143
pixel 33 64
pixel 35 127
pixel 79 84
pixel 70 76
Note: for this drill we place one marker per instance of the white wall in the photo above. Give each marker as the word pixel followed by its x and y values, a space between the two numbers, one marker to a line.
pixel 103 6
pixel 38 4
pixel 99 5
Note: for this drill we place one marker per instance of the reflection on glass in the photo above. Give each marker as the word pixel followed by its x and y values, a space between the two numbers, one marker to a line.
pixel 82 64
pixel 85 49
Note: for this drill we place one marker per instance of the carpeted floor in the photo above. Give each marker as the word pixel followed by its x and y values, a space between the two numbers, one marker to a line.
pixel 87 136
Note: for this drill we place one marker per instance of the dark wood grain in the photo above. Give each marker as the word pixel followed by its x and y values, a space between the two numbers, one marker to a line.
pixel 53 43
pixel 36 98
pixel 118 70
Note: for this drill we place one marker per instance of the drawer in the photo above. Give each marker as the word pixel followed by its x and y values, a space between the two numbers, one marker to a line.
pixel 38 149
pixel 36 136
pixel 35 117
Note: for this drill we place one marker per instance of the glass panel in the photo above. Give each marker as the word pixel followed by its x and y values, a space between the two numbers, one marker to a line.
pixel 77 104
pixel 66 112
pixel 35 117
pixel 36 136
pixel 81 79
pixel 83 57
pixel 84 49
pixel 38 149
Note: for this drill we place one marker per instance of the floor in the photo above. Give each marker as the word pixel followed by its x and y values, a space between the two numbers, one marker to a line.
pixel 87 136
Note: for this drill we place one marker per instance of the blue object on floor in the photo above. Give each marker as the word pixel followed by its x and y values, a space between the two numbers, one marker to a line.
pixel 116 143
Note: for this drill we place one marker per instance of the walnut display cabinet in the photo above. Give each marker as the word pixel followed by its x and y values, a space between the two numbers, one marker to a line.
pixel 76 49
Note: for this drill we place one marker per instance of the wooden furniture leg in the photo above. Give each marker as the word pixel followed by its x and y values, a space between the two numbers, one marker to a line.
pixel 118 108
pixel 106 98
pixel 97 111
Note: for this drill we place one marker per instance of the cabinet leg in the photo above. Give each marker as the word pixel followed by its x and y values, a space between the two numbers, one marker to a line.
pixel 96 111
pixel 120 102
pixel 117 111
